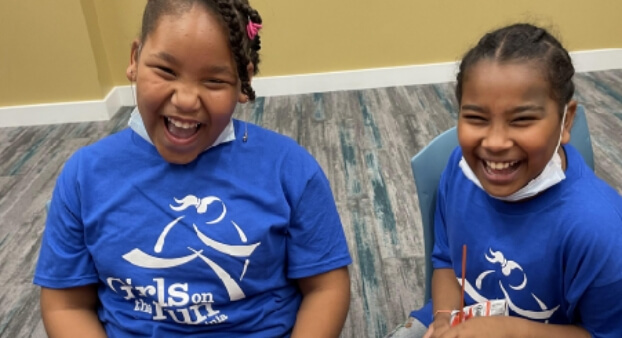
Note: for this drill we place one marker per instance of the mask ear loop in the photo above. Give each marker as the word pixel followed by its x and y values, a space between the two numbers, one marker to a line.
pixel 133 80
pixel 133 90
pixel 559 142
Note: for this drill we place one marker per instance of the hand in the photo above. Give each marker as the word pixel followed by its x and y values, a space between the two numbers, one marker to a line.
pixel 508 326
pixel 480 327
pixel 429 332
pixel 325 300
pixel 439 326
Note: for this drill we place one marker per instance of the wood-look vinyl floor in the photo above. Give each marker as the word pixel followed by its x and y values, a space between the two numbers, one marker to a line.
pixel 363 139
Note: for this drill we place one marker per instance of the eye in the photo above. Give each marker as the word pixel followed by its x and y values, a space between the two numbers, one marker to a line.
pixel 165 71
pixel 216 83
pixel 523 120
pixel 475 119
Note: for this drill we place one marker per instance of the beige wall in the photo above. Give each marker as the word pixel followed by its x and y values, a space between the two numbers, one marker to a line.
pixel 45 53
pixel 62 50
pixel 120 23
pixel 98 46
pixel 330 35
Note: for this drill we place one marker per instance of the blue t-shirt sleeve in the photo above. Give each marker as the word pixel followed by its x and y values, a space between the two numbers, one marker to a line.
pixel 440 253
pixel 64 259
pixel 316 242
pixel 593 274
pixel 601 310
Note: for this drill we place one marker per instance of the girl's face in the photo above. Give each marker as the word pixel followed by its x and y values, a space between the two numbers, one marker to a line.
pixel 509 124
pixel 187 85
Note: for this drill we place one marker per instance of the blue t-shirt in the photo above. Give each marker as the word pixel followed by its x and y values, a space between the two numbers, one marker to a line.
pixel 556 258
pixel 213 246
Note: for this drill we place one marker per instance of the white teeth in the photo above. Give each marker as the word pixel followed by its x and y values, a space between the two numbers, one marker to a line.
pixel 180 124
pixel 500 165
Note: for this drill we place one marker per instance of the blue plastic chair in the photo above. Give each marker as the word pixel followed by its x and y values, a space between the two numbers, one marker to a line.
pixel 430 162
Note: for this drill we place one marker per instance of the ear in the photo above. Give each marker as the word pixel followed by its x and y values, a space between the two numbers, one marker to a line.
pixel 251 72
pixel 570 114
pixel 130 72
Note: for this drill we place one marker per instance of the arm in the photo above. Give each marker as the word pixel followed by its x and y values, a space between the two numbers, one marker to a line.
pixel 510 327
pixel 446 292
pixel 325 303
pixel 71 312
pixel 445 296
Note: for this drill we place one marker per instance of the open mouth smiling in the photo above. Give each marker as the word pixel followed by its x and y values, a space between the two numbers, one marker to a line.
pixel 181 129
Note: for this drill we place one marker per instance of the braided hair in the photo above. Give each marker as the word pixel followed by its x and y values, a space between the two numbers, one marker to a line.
pixel 234 16
pixel 524 42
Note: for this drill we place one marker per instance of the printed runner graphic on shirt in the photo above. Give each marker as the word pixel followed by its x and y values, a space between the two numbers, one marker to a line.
pixel 196 308
pixel 508 267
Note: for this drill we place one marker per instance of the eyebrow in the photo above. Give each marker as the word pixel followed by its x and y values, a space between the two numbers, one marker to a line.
pixel 515 110
pixel 528 107
pixel 212 69
pixel 166 57
pixel 219 69
pixel 473 108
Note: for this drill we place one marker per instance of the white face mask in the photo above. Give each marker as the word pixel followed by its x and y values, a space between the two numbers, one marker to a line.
pixel 138 126
pixel 552 174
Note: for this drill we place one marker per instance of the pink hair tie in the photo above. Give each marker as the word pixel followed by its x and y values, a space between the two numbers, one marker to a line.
pixel 252 29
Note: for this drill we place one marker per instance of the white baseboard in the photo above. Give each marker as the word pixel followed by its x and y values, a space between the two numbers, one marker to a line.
pixel 584 61
pixel 356 79
pixel 70 112
pixel 118 97
pixel 597 60
pixel 67 112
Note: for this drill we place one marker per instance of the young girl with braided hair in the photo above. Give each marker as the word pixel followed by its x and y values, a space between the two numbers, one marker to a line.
pixel 191 223
pixel 543 233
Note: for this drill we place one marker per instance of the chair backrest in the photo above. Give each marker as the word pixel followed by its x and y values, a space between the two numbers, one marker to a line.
pixel 430 162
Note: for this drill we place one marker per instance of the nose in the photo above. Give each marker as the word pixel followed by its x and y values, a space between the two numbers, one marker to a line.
pixel 186 97
pixel 497 139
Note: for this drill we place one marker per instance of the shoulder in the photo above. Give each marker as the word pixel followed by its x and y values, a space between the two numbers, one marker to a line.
pixel 279 149
pixel 593 210
pixel 587 197
pixel 592 218
pixel 278 157
pixel 107 157
pixel 592 206
pixel 107 146
pixel 112 140
pixel 452 174
pixel 110 145
pixel 591 214
pixel 266 137
pixel 454 159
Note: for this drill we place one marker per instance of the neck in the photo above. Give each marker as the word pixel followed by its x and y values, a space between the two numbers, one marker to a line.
pixel 562 154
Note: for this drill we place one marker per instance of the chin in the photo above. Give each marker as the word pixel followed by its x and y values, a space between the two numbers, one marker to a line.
pixel 177 158
pixel 499 191
pixel 179 161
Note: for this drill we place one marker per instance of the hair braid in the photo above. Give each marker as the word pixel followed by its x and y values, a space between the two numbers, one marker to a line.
pixel 255 45
pixel 538 35
pixel 237 32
